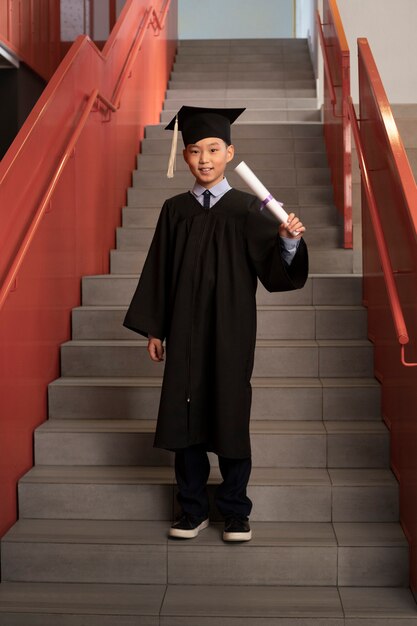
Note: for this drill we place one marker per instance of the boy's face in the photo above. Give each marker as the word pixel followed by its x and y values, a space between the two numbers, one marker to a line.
pixel 207 160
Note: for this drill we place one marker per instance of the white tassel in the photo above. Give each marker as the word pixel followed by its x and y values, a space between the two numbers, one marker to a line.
pixel 172 156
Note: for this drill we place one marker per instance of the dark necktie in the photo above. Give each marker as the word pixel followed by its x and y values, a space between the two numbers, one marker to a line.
pixel 206 195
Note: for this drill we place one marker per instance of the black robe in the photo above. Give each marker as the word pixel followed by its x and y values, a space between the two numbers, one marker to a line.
pixel 197 291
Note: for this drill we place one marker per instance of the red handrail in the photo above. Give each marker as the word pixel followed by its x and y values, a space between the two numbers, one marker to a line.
pixel 10 280
pixel 397 156
pixel 15 264
pixel 393 297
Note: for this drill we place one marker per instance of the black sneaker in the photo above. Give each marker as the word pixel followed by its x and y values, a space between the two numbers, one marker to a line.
pixel 187 526
pixel 236 529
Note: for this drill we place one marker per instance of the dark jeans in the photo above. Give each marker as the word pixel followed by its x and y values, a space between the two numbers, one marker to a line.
pixel 192 469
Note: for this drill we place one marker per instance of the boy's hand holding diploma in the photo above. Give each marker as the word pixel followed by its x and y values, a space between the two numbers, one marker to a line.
pixel 290 227
pixel 293 229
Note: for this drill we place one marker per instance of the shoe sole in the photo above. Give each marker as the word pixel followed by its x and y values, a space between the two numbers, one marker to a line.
pixel 245 536
pixel 188 534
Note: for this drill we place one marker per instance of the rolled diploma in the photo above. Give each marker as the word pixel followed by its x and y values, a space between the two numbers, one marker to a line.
pixel 261 191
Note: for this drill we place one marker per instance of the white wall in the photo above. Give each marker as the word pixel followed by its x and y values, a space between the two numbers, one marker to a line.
pixel 306 28
pixel 235 19
pixel 305 17
pixel 390 27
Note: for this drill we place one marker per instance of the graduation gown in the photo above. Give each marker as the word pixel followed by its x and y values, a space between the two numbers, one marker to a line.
pixel 197 291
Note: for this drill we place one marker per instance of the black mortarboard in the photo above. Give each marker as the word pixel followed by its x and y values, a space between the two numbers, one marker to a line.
pixel 197 123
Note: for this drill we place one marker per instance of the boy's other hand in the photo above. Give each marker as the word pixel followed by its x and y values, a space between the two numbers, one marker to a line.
pixel 293 225
pixel 155 349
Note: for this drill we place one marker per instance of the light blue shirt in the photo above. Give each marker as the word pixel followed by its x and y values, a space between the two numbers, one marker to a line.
pixel 288 246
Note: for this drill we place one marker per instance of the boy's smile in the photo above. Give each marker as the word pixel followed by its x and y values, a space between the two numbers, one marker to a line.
pixel 207 160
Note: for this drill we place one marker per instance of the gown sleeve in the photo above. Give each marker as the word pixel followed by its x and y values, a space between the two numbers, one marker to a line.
pixel 264 249
pixel 147 312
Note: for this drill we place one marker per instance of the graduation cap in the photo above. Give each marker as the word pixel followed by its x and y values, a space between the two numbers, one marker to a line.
pixel 197 123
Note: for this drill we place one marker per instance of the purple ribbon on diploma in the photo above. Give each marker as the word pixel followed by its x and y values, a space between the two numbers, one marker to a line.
pixel 265 202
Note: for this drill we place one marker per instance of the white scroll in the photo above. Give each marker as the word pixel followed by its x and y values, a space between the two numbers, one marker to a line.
pixel 267 200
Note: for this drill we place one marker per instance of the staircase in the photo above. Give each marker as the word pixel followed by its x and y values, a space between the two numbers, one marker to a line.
pixel 90 546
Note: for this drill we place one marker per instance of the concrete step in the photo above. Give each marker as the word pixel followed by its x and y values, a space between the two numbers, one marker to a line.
pixel 304 177
pixel 272 398
pixel 222 46
pixel 253 103
pixel 206 47
pixel 39 604
pixel 295 77
pixel 319 290
pixel 295 196
pixel 286 43
pixel 243 55
pixel 139 552
pixel 171 106
pixel 228 93
pixel 72 604
pixel 292 358
pixel 325 237
pixel 174 105
pixel 274 322
pixel 302 89
pixel 331 261
pixel 274 443
pixel 251 71
pixel 248 130
pixel 266 115
pixel 353 546
pixel 149 493
pixel 258 162
pixel 276 68
pixel 312 216
pixel 249 145
pixel 296 89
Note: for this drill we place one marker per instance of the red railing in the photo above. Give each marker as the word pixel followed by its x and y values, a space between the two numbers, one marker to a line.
pixel 383 254
pixel 336 59
pixel 389 215
pixel 31 30
pixel 62 184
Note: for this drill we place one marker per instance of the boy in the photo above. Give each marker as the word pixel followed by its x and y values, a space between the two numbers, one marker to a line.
pixel 197 291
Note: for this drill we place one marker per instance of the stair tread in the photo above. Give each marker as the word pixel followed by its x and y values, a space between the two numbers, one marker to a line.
pixel 262 601
pixel 271 534
pixel 271 427
pixel 84 474
pixel 150 381
pixel 188 602
pixel 77 599
pixel 311 275
pixel 260 307
pixel 265 343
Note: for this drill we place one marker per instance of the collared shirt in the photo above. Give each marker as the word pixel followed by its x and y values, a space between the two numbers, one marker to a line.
pixel 288 246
